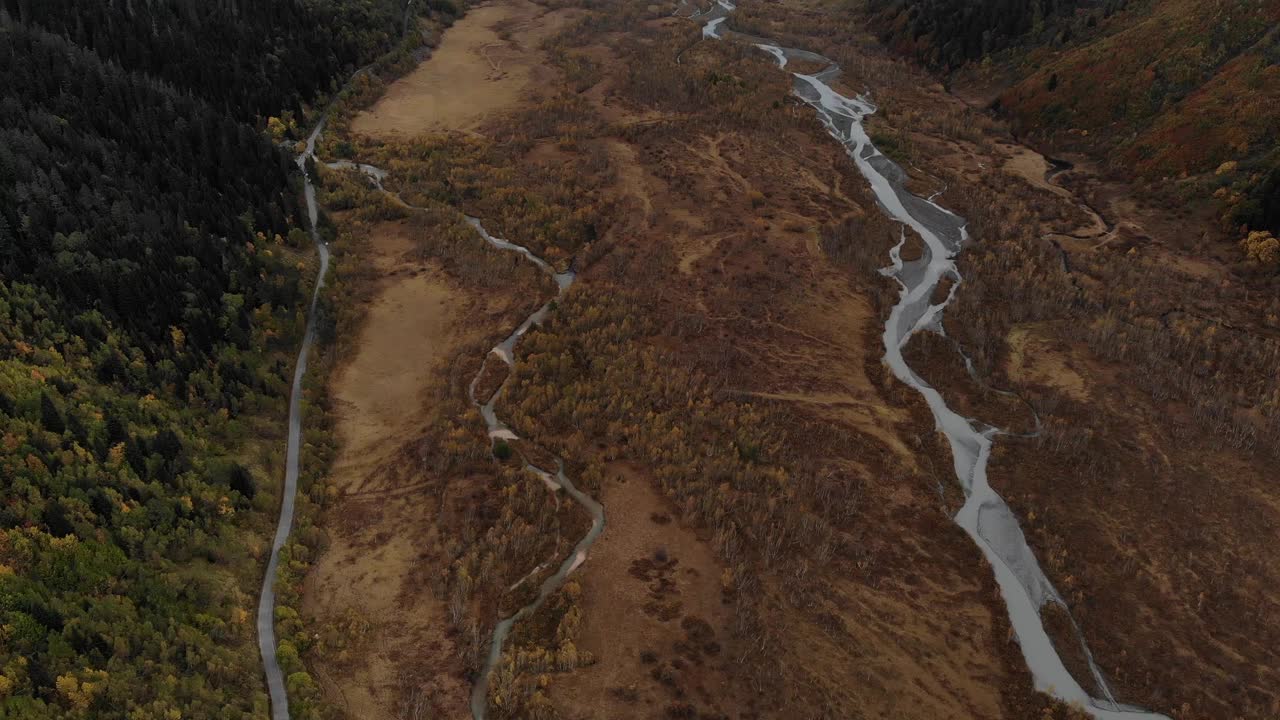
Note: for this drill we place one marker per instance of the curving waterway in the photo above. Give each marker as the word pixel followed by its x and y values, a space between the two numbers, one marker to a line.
pixel 985 516
pixel 497 430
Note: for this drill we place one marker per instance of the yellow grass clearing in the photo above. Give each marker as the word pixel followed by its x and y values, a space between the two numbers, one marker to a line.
pixel 379 393
pixel 487 62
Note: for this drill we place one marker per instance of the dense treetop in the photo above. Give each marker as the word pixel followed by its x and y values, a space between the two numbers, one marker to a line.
pixel 119 195
pixel 948 33
pixel 248 57
pixel 150 279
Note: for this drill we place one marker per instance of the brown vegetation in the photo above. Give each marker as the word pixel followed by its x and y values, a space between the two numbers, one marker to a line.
pixel 485 64
pixel 1150 367
pixel 720 352
pixel 655 619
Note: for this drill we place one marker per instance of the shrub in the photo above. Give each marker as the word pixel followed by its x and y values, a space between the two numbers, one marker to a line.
pixel 1262 248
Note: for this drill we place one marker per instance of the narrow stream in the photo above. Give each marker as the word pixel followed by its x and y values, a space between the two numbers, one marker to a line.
pixel 499 431
pixel 984 517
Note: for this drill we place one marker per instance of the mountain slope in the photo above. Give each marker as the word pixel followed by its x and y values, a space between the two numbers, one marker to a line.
pixel 1161 88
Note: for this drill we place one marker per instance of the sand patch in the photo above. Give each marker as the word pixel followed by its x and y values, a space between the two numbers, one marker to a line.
pixel 381 630
pixel 488 62
pixel 891 652
pixel 849 322
pixel 1031 166
pixel 370 594
pixel 632 180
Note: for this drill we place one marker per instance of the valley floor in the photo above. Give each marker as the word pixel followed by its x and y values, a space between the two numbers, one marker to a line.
pixel 779 541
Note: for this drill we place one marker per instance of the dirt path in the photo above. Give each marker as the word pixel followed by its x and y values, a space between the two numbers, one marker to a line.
pixel 486 63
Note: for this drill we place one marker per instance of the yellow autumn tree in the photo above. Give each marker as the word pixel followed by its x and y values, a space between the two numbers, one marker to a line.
pixel 80 692
pixel 1262 248
pixel 567 656
pixel 277 128
pixel 115 456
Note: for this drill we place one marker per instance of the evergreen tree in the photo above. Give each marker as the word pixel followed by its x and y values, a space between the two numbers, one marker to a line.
pixel 49 415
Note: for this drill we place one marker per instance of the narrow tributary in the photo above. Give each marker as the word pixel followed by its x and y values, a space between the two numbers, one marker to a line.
pixel 554 478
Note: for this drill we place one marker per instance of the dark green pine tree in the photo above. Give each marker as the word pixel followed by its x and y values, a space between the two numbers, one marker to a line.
pixel 49 415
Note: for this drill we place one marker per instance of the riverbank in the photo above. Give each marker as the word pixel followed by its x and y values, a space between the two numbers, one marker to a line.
pixel 388 643
pixel 1134 362
pixel 733 293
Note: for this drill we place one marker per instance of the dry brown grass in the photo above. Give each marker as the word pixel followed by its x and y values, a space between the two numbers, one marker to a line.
pixel 706 189
pixel 487 63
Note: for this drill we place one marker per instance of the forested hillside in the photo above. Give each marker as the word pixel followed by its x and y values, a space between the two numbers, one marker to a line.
pixel 151 271
pixel 121 196
pixel 1179 89
pixel 949 33
pixel 246 57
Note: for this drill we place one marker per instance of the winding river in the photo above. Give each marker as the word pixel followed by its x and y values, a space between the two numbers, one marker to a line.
pixel 984 517
pixel 497 430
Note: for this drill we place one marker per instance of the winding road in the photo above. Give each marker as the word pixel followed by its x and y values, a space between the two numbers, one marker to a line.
pixel 276 688
pixel 267 598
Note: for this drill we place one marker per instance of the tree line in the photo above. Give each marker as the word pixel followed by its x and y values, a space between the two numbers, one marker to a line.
pixel 949 33
pixel 249 59
pixel 149 309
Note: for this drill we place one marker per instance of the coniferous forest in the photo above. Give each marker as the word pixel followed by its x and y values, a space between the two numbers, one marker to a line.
pixel 948 33
pixel 151 276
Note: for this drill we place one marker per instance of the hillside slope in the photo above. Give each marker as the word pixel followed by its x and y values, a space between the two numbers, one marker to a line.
pixel 1176 89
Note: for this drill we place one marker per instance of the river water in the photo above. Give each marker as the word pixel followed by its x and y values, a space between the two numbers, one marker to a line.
pixel 985 517
pixel 499 432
